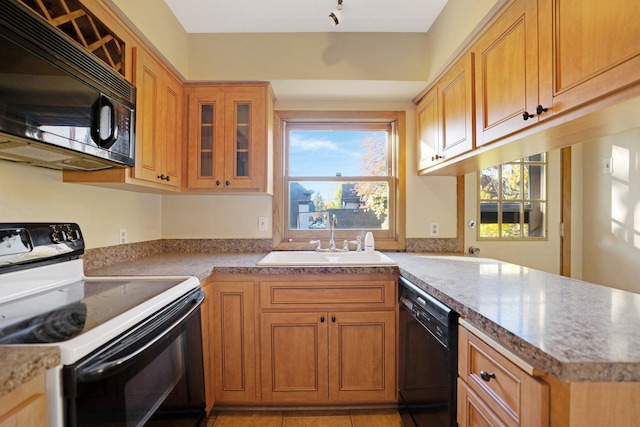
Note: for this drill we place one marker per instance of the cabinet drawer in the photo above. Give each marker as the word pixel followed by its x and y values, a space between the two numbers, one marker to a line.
pixel 472 411
pixel 323 294
pixel 516 397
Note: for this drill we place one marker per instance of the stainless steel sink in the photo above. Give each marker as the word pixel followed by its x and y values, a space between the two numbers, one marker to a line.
pixel 311 258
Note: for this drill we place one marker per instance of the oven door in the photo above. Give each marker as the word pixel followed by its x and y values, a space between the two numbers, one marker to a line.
pixel 151 375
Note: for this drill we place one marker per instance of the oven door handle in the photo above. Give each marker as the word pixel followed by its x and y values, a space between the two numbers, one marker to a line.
pixel 100 370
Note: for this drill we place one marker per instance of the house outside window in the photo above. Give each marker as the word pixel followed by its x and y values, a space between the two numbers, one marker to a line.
pixel 346 168
pixel 512 199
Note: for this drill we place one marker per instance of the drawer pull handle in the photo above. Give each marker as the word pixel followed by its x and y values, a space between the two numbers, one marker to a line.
pixel 487 376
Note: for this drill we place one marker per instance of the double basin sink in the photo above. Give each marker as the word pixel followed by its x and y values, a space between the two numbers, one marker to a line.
pixel 312 258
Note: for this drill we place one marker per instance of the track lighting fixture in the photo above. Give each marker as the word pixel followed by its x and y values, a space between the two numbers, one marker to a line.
pixel 336 15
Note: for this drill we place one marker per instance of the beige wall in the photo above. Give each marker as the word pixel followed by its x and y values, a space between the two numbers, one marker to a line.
pixel 29 193
pixel 429 199
pixel 541 255
pixel 307 56
pixel 611 211
pixel 459 21
pixel 159 27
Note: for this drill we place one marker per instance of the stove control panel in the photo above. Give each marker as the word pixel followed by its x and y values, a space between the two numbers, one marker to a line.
pixel 25 245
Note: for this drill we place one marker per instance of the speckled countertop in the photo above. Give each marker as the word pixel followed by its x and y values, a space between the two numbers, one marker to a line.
pixel 574 330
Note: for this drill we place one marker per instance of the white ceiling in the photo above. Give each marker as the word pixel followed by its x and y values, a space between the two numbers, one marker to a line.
pixel 285 16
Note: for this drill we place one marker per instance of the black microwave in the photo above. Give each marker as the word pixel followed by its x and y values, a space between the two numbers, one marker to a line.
pixel 60 107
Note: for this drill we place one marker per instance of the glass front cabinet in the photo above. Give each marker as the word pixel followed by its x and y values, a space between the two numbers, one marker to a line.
pixel 229 136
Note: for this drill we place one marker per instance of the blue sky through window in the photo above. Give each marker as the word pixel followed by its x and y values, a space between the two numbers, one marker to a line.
pixel 328 153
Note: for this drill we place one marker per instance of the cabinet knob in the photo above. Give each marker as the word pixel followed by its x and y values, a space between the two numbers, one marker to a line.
pixel 164 177
pixel 527 116
pixel 333 319
pixel 217 183
pixel 436 157
pixel 540 109
pixel 487 376
pixel 321 319
pixel 227 183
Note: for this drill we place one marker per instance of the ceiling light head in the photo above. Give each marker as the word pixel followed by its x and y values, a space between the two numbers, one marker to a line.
pixel 336 15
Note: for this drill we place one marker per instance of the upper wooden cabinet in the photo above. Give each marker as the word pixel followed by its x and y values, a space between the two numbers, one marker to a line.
pixel 159 122
pixel 587 49
pixel 547 74
pixel 230 138
pixel 445 116
pixel 428 130
pixel 506 71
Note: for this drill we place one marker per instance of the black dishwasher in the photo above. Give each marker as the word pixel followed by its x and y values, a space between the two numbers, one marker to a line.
pixel 428 359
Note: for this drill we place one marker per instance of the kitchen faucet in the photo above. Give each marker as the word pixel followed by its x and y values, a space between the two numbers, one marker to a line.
pixel 333 223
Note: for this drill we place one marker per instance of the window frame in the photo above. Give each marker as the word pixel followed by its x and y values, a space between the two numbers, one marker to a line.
pixel 500 213
pixel 391 239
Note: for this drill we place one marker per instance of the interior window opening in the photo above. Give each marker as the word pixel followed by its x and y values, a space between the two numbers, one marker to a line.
pixel 512 200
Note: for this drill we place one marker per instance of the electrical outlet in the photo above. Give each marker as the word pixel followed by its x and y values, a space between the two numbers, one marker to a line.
pixel 123 235
pixel 262 223
pixel 434 229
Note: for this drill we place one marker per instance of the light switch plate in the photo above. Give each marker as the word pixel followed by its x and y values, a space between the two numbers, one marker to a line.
pixel 262 223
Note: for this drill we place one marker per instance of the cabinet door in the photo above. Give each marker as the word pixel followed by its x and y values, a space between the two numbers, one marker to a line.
pixel 455 109
pixel 362 357
pixel 206 138
pixel 428 130
pixel 233 342
pixel 148 82
pixel 244 138
pixel 294 357
pixel 590 49
pixel 506 67
pixel 170 131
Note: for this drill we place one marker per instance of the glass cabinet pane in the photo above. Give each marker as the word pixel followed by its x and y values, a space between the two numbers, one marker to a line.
pixel 207 113
pixel 242 136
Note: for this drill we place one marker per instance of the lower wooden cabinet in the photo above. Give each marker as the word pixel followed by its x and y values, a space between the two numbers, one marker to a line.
pixel 207 354
pixel 312 339
pixel 322 357
pixel 493 391
pixel 233 342
pixel 25 406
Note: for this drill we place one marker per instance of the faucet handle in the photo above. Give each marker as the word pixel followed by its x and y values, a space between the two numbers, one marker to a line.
pixel 317 243
pixel 345 245
pixel 358 243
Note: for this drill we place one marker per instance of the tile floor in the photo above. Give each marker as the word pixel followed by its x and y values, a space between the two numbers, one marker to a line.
pixel 346 418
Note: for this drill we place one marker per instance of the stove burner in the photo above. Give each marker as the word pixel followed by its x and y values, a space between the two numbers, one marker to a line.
pixel 57 325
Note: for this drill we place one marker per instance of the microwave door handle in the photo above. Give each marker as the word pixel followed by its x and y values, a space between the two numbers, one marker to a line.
pixel 103 369
pixel 104 111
